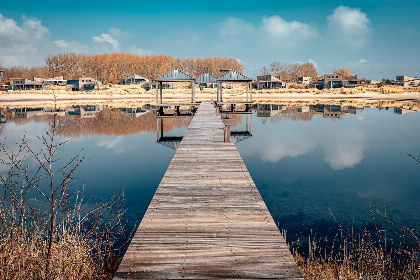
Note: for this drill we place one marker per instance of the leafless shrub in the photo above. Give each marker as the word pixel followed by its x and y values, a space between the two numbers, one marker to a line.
pixel 47 231
pixel 367 255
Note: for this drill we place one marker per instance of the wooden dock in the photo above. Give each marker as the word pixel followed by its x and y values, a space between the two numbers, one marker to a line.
pixel 207 219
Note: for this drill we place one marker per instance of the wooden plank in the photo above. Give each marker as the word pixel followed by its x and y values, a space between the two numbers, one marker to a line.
pixel 207 219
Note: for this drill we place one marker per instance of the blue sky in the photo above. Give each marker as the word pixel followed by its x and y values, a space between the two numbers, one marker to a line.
pixel 374 39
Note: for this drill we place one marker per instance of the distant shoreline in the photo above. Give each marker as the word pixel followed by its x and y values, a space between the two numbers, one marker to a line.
pixel 30 98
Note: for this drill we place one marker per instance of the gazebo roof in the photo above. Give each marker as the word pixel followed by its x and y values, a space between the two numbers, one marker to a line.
pixel 234 76
pixel 206 78
pixel 175 75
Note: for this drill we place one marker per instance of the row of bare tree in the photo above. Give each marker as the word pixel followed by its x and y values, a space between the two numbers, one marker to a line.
pixel 113 67
pixel 290 72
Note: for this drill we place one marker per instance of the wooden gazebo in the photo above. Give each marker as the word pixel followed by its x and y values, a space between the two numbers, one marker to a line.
pixel 234 77
pixel 174 75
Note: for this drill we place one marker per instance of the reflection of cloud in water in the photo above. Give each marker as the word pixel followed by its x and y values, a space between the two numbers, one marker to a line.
pixel 345 150
pixel 115 145
pixel 110 144
pixel 14 134
pixel 289 145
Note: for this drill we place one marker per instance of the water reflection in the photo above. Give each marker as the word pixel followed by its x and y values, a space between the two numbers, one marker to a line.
pixel 234 114
pixel 304 157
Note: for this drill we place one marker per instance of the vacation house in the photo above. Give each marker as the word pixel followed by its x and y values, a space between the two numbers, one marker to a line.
pixel 269 82
pixel 134 79
pixel 406 81
pixel 24 84
pixel 333 81
pixel 82 84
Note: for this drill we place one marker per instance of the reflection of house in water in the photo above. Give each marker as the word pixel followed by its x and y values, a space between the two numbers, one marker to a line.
pixel 332 111
pixel 24 113
pixel 304 109
pixel 85 111
pixel 269 110
pixel 337 112
pixel 317 109
pixel 405 109
pixel 57 111
pixel 134 112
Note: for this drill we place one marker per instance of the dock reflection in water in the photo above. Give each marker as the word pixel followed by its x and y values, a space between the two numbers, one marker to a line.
pixel 304 158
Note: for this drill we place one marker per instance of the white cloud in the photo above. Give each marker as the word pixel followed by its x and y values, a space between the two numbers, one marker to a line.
pixel 313 62
pixel 362 60
pixel 349 26
pixel 23 45
pixel 106 39
pixel 281 29
pixel 135 50
pixel 27 44
pixel 345 150
pixel 236 26
pixel 71 46
pixel 272 31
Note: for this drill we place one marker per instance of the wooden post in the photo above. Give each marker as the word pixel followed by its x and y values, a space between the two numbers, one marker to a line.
pixel 247 86
pixel 221 90
pixel 157 130
pixel 193 92
pixel 157 94
pixel 227 133
pixel 161 127
pixel 218 91
pixel 250 93
pixel 161 89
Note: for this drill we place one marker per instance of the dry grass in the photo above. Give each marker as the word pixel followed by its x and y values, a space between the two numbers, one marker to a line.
pixel 46 230
pixel 23 257
pixel 322 270
pixel 234 88
pixel 363 256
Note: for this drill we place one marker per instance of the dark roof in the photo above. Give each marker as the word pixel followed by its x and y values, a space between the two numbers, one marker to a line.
pixel 234 76
pixel 174 76
pixel 206 78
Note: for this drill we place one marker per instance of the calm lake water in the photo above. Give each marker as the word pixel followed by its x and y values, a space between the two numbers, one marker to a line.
pixel 307 161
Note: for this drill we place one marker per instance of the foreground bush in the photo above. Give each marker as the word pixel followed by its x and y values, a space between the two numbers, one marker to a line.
pixel 47 231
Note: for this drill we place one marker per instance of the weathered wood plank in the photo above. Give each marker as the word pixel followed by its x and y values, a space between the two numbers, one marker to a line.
pixel 207 219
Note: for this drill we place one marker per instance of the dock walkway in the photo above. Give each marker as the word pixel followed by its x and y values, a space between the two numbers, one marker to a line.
pixel 207 219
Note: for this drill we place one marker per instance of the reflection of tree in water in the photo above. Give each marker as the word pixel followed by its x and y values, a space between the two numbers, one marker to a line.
pixel 2 126
pixel 107 122
pixel 115 122
pixel 290 114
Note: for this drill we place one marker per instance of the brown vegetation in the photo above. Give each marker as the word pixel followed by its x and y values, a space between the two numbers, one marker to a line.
pixel 46 230
pixel 365 256
pixel 290 72
pixel 113 67
pixel 344 72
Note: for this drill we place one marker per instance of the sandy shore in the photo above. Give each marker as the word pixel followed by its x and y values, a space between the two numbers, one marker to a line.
pixel 45 99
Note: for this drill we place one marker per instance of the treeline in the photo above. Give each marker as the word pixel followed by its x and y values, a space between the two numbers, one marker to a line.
pixel 112 67
pixel 290 72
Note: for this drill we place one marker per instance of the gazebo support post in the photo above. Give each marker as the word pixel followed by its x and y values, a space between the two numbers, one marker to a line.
pixel 161 89
pixel 250 92
pixel 193 92
pixel 157 94
pixel 247 89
